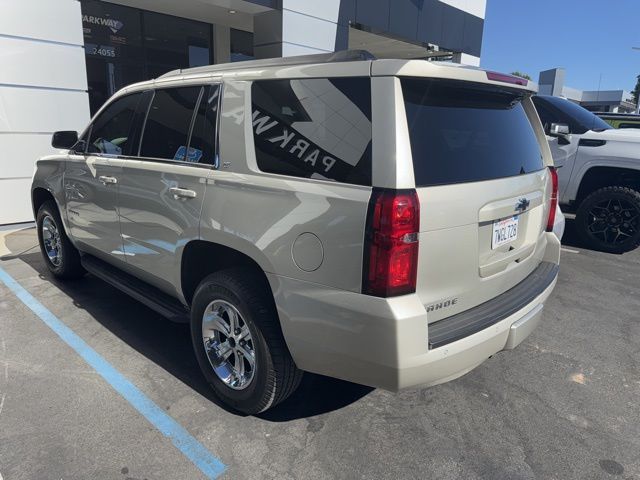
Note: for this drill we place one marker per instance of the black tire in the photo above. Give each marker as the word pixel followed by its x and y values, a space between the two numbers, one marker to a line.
pixel 609 219
pixel 275 376
pixel 67 266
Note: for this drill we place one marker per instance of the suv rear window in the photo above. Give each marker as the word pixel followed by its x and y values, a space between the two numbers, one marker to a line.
pixel 314 128
pixel 464 132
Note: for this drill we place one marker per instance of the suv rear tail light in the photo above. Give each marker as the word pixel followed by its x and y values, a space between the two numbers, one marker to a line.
pixel 554 199
pixel 391 243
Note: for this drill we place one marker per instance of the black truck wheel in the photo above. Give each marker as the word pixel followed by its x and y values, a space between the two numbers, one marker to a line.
pixel 609 219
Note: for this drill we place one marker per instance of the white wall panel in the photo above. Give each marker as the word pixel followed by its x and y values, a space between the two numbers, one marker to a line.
pixel 325 9
pixel 42 111
pixel 296 28
pixel 474 7
pixel 51 20
pixel 43 83
pixel 20 152
pixel 580 96
pixel 466 59
pixel 36 63
pixel 15 200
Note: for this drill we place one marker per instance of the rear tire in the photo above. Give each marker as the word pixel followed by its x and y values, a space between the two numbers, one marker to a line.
pixel 609 219
pixel 249 369
pixel 60 256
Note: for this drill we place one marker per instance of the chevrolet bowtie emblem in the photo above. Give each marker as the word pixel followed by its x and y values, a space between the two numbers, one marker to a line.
pixel 522 205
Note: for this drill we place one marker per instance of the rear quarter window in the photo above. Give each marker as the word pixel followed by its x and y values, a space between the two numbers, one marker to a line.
pixel 464 132
pixel 314 128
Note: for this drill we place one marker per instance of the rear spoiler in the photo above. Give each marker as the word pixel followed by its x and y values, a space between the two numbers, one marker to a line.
pixel 445 70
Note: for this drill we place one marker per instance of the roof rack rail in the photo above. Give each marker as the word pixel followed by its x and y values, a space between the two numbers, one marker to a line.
pixel 341 56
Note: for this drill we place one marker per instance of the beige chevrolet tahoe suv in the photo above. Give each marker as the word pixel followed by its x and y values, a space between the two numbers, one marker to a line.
pixel 386 222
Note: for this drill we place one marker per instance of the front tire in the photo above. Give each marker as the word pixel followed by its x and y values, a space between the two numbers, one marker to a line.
pixel 609 219
pixel 238 341
pixel 60 256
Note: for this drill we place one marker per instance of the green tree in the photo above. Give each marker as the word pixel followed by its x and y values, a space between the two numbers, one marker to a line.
pixel 521 75
pixel 636 91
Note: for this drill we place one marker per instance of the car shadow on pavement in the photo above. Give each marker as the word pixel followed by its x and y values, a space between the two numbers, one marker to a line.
pixel 570 237
pixel 317 394
pixel 168 344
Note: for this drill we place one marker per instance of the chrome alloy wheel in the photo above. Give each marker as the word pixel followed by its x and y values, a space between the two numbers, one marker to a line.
pixel 51 240
pixel 228 343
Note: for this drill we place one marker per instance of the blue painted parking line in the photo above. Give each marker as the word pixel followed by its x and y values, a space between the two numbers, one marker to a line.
pixel 202 458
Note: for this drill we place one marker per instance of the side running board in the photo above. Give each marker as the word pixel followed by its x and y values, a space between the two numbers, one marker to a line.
pixel 153 298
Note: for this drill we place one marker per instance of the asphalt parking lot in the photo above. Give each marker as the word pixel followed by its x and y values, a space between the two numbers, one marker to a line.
pixel 564 404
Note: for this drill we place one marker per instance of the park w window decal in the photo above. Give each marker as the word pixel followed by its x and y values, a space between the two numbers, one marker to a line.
pixel 313 129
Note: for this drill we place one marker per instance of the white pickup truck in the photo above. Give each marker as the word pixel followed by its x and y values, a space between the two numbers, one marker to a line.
pixel 598 173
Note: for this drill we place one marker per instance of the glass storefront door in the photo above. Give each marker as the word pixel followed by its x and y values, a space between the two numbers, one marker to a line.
pixel 124 45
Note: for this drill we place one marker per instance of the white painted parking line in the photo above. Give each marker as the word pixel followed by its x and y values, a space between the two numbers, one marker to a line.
pixel 569 250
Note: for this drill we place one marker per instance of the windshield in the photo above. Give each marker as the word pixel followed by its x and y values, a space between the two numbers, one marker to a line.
pixel 578 118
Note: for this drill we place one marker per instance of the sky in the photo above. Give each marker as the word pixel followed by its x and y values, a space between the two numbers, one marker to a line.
pixel 588 38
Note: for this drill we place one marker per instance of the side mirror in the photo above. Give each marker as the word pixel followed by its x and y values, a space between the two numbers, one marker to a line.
pixel 561 132
pixel 558 129
pixel 65 139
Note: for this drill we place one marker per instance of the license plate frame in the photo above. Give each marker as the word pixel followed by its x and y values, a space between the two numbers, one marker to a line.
pixel 504 231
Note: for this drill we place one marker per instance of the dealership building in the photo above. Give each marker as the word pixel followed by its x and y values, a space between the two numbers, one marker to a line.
pixel 551 82
pixel 62 59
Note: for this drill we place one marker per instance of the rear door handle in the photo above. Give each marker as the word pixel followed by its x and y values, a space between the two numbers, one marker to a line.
pixel 182 193
pixel 108 180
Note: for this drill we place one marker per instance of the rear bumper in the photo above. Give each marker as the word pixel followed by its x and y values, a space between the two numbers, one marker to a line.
pixel 385 342
pixel 456 327
pixel 455 359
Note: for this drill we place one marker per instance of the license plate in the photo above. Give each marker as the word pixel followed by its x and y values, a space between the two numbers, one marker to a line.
pixel 504 231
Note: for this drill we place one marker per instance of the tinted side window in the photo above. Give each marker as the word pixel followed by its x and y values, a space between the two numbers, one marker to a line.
pixel 111 131
pixel 464 132
pixel 168 122
pixel 550 113
pixel 203 137
pixel 546 116
pixel 579 119
pixel 314 128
